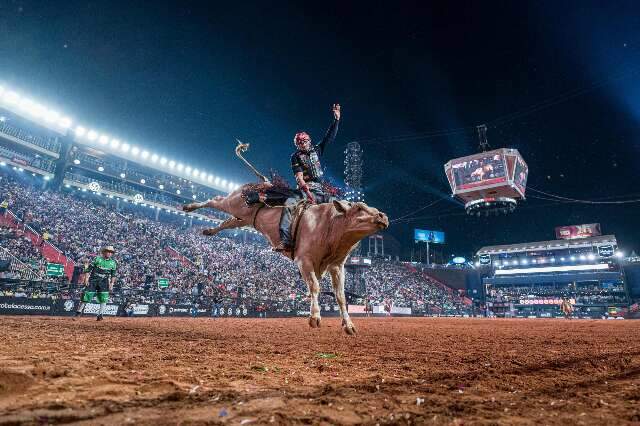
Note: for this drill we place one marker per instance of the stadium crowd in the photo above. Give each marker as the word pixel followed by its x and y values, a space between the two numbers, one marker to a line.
pixel 220 267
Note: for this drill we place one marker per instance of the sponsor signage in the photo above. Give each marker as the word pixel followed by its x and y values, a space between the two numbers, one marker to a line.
pixel 545 301
pixel 25 306
pixel 55 270
pixel 163 283
pixel 140 309
pixel 357 260
pixel 428 236
pixel 606 251
pixel 356 309
pixel 93 309
pixel 180 310
pixel 485 259
pixel 573 232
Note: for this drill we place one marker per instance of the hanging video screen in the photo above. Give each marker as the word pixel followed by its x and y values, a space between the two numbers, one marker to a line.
pixel 520 176
pixel 479 171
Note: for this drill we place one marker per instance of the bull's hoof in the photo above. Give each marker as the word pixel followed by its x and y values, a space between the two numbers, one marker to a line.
pixel 314 322
pixel 189 207
pixel 209 232
pixel 349 328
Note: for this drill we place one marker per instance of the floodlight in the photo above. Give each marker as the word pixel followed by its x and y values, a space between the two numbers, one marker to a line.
pixel 51 116
pixel 65 122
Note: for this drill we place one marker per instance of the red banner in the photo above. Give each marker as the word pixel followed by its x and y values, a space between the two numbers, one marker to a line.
pixel 578 231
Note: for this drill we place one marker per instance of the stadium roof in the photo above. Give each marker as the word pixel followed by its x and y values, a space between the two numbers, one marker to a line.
pixel 62 124
pixel 549 245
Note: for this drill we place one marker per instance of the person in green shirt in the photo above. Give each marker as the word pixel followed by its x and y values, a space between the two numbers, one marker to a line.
pixel 100 276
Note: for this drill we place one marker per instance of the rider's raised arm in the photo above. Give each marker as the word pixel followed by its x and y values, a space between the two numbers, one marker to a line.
pixel 331 132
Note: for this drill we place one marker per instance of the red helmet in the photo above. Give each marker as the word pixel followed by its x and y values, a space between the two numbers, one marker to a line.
pixel 301 137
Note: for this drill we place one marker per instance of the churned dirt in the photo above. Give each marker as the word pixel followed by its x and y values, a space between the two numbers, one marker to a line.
pixel 261 371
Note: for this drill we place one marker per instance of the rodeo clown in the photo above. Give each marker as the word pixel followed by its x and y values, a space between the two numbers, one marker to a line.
pixel 99 278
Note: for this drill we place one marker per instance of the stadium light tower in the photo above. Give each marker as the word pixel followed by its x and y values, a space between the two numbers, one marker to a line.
pixel 353 172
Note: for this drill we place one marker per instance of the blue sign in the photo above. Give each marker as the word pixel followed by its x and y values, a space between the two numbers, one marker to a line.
pixel 428 236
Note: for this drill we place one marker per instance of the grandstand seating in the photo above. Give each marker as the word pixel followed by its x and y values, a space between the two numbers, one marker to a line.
pixel 46 142
pixel 149 249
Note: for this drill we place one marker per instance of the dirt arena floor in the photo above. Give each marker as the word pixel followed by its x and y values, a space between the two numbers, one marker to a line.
pixel 278 371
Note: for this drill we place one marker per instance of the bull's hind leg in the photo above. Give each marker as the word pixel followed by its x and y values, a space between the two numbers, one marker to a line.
pixel 213 203
pixel 230 223
pixel 309 276
pixel 337 280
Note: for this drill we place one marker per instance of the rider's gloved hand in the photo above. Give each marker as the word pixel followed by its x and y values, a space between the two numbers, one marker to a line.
pixel 310 196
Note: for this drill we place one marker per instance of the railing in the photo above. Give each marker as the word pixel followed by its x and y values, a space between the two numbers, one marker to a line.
pixel 17 266
pixel 48 250
pixel 47 143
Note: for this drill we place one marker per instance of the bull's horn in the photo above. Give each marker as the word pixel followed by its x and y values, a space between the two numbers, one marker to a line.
pixel 243 147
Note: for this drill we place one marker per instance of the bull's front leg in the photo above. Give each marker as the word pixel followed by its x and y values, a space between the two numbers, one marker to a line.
pixel 337 280
pixel 309 276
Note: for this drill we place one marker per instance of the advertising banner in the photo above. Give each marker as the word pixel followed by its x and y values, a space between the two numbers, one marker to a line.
pixel 606 250
pixel 55 270
pixel 400 310
pixel 25 306
pixel 138 310
pixel 355 309
pixel 181 311
pixel 428 236
pixel 572 232
pixel 109 309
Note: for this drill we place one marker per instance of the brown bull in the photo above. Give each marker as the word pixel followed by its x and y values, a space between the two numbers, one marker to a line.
pixel 326 235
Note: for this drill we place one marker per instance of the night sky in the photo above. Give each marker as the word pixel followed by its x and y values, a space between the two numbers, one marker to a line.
pixel 559 81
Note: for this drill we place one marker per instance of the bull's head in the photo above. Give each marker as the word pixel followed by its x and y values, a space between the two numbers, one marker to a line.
pixel 361 220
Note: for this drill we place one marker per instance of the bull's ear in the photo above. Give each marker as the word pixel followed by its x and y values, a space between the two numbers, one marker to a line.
pixel 341 206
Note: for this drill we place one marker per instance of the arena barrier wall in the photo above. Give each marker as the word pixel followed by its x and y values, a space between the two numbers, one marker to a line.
pixel 26 306
pixel 67 307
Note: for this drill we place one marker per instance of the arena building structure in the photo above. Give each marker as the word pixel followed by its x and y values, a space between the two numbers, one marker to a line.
pixel 38 140
pixel 531 279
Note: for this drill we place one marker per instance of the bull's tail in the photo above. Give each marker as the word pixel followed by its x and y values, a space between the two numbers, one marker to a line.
pixel 243 147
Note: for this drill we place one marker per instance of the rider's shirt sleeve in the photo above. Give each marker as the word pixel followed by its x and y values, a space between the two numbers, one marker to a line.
pixel 113 270
pixel 329 137
pixel 296 163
